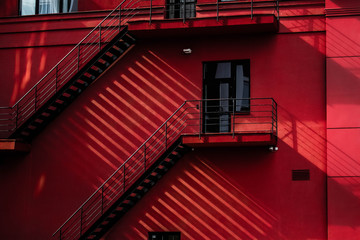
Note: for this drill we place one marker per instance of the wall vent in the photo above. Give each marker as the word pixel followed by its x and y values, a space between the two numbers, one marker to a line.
pixel 301 175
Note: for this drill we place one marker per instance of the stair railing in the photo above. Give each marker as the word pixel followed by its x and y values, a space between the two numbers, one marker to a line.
pixel 13 117
pixel 196 117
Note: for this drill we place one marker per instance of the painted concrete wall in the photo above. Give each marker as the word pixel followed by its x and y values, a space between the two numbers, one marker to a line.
pixel 343 64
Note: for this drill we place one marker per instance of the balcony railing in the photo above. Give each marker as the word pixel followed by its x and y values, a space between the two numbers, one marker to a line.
pixel 198 117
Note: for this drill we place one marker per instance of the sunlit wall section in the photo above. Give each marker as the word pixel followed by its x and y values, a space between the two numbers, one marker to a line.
pixel 343 117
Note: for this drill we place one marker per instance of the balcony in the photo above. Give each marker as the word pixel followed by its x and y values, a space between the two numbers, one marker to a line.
pixel 231 122
pixel 189 16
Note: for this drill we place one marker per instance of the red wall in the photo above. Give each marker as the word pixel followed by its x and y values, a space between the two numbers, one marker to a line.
pixel 96 133
pixel 9 8
pixel 343 65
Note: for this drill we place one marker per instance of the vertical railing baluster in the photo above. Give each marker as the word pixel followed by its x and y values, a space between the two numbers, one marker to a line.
pixel 119 18
pixel 124 177
pixel 278 10
pixel 56 78
pixel 17 116
pixel 78 59
pixel 276 118
pixel 81 220
pixel 60 234
pixel 251 9
pixel 184 11
pixel 35 96
pixel 145 157
pixel 150 12
pixel 99 38
pixel 102 199
pixel 166 135
pixel 200 119
pixel 217 10
pixel 233 125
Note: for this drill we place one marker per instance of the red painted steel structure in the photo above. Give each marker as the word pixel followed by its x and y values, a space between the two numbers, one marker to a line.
pixel 213 193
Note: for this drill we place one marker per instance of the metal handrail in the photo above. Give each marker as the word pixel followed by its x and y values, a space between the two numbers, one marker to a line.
pixel 187 119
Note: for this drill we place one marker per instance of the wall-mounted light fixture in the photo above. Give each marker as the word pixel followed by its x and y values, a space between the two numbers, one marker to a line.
pixel 273 148
pixel 187 50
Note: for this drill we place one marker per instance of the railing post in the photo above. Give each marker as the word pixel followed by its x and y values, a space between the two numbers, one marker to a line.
pixel 100 38
pixel 166 135
pixel 184 11
pixel 200 119
pixel 81 220
pixel 56 78
pixel 233 124
pixel 277 9
pixel 60 234
pixel 276 122
pixel 102 199
pixel 217 10
pixel 119 18
pixel 124 177
pixel 78 59
pixel 145 157
pixel 17 116
pixel 252 9
pixel 150 12
pixel 35 96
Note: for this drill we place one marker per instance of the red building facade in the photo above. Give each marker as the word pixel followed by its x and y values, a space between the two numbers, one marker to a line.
pixel 303 55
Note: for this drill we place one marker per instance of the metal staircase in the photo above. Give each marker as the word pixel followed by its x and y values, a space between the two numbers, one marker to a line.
pixel 84 64
pixel 158 153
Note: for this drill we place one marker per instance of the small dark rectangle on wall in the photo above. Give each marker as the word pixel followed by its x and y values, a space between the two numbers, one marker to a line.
pixel 301 175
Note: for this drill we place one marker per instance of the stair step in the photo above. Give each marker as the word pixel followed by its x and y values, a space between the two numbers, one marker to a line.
pixel 51 110
pixel 82 85
pixel 141 190
pixel 116 51
pixel 44 116
pixel 102 66
pixel 161 169
pixel 147 183
pixel 65 98
pixel 59 104
pixel 134 197
pixel 129 39
pixel 37 123
pixel 109 59
pixel 94 72
pixel 122 45
pixel 154 176
pixel 87 79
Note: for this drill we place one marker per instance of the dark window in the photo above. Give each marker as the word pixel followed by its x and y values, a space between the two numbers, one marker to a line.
pixel 301 175
pixel 164 235
pixel 226 90
pixel 31 7
pixel 180 9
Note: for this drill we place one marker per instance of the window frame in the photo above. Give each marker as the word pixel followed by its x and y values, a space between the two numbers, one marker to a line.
pixel 37 8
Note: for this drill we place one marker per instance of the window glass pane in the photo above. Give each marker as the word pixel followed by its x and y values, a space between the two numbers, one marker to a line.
pixel 223 70
pixel 48 6
pixel 65 6
pixel 73 5
pixel 28 7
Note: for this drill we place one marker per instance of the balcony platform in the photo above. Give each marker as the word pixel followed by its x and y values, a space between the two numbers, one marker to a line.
pixel 197 26
pixel 13 146
pixel 230 140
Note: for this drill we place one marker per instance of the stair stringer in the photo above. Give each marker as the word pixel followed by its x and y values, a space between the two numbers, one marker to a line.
pixel 147 180
pixel 71 90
